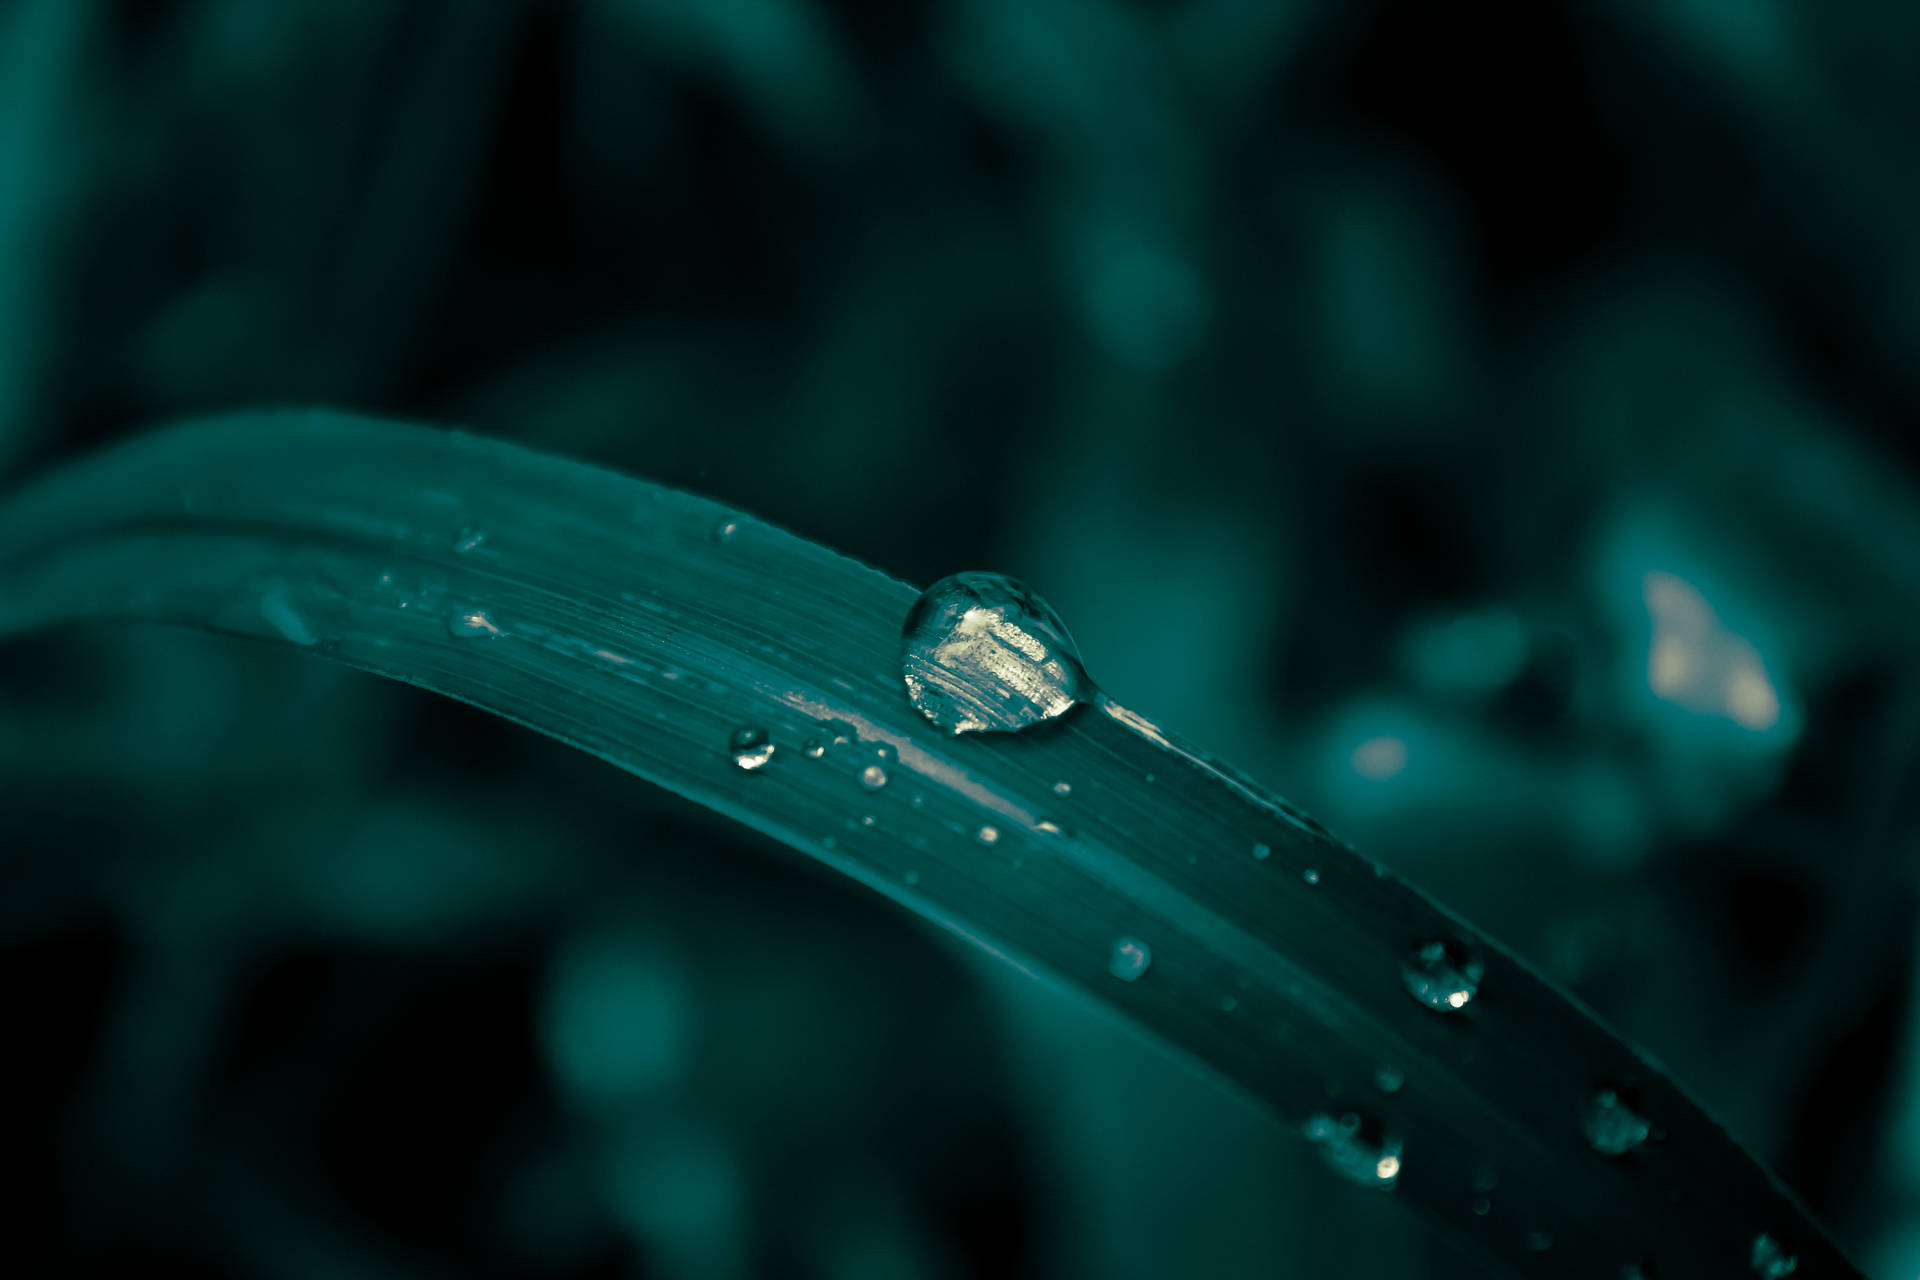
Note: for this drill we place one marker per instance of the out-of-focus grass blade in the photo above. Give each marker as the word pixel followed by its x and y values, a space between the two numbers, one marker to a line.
pixel 647 626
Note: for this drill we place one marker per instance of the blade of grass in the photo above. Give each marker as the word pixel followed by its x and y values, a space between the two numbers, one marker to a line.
pixel 645 626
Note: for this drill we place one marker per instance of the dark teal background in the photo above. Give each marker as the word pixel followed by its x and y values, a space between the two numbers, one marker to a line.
pixel 1491 424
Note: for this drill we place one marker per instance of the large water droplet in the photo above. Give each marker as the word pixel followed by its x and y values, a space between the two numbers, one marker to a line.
pixel 1442 974
pixel 984 653
pixel 1612 1126
pixel 1770 1260
pixel 1357 1148
pixel 474 622
pixel 1130 959
pixel 751 748
pixel 988 835
pixel 873 777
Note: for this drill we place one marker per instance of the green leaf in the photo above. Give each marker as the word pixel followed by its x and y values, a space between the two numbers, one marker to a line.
pixel 648 626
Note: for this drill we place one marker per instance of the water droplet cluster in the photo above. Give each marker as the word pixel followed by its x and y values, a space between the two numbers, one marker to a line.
pixel 982 653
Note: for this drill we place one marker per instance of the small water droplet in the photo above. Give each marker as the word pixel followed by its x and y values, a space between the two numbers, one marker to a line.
pixel 1611 1125
pixel 911 877
pixel 1262 852
pixel 1540 1241
pixel 886 753
pixel 1769 1258
pixel 1637 1271
pixel 1048 826
pixel 1228 1004
pixel 1389 1079
pixel 1310 876
pixel 1150 777
pixel 1129 959
pixel 751 748
pixel 1442 974
pixel 1357 1148
pixel 917 801
pixel 814 749
pixel 1482 1206
pixel 873 777
pixel 1063 788
pixel 1485 1179
pixel 866 819
pixel 724 531
pixel 983 653
pixel 474 622
pixel 987 835
pixel 469 540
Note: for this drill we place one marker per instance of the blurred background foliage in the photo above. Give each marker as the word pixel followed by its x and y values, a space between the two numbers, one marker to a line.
pixel 1492 424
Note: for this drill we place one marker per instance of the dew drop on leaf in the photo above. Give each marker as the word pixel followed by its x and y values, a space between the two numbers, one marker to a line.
pixel 724 531
pixel 988 835
pixel 1310 876
pixel 1769 1260
pixel 1612 1127
pixel 1482 1206
pixel 1129 959
pixel 1063 788
pixel 468 541
pixel 814 749
pixel 751 748
pixel 982 653
pixel 1540 1241
pixel 1262 852
pixel 873 777
pixel 1355 1147
pixel 473 622
pixel 1389 1079
pixel 1442 974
